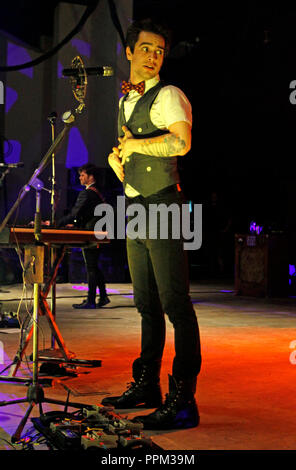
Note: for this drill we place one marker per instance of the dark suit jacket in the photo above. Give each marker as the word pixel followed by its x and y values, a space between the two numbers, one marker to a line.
pixel 82 213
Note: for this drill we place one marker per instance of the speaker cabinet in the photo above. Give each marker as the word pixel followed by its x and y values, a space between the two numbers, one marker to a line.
pixel 261 265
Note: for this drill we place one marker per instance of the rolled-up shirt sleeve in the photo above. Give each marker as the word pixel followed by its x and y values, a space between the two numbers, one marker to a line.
pixel 172 106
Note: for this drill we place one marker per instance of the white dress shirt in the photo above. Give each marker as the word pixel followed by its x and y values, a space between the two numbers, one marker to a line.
pixel 171 105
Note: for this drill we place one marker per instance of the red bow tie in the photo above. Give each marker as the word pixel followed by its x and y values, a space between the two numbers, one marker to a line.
pixel 126 87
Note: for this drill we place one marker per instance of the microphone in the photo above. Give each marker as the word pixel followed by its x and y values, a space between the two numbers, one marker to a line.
pixel 11 165
pixel 52 117
pixel 105 71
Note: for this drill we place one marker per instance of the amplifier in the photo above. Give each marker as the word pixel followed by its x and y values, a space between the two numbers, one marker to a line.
pixel 261 265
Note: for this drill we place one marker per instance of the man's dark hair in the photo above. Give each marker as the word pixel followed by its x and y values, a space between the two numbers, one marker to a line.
pixel 149 26
pixel 90 169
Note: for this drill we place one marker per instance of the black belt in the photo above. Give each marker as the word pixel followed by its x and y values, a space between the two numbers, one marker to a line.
pixel 174 188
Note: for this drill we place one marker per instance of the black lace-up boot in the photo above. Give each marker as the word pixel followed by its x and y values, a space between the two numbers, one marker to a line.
pixel 144 392
pixel 179 410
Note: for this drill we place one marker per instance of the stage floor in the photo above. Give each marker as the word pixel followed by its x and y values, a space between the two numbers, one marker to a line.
pixel 246 388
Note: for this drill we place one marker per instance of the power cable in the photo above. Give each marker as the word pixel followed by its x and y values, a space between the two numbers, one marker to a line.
pixel 89 10
pixel 116 21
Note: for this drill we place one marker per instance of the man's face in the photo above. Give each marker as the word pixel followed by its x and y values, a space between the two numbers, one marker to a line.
pixel 85 179
pixel 147 58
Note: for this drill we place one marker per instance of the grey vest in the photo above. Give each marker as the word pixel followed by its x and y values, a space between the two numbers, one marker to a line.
pixel 147 174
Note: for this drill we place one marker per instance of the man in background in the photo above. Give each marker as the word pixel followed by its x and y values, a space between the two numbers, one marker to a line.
pixel 82 216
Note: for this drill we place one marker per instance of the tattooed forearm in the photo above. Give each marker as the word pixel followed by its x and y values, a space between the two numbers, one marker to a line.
pixel 168 145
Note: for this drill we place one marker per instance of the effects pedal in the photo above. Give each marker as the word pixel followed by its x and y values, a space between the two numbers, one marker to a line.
pixel 93 427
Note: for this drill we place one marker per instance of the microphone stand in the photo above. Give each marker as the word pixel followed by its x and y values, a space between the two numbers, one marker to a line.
pixel 52 119
pixel 35 254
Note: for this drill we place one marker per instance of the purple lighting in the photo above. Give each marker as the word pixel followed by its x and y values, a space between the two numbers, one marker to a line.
pixel 292 272
pixel 17 55
pixel 15 154
pixel 118 48
pixel 60 70
pixel 11 97
pixel 85 288
pixel 292 269
pixel 77 153
pixel 82 47
pixel 254 228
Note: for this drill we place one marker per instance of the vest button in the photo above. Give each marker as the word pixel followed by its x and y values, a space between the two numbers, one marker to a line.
pixel 148 168
pixel 140 129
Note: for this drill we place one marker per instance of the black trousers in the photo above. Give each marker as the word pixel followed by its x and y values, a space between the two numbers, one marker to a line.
pixel 95 276
pixel 159 273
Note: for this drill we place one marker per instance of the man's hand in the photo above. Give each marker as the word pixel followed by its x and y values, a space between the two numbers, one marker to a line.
pixel 116 164
pixel 177 141
pixel 125 145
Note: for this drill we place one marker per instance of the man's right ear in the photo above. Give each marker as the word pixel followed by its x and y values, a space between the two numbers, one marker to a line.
pixel 128 53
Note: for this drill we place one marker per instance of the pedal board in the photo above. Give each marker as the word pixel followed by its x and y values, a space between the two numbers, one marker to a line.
pixel 95 428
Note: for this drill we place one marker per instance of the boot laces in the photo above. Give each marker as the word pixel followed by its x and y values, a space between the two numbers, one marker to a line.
pixel 132 385
pixel 170 402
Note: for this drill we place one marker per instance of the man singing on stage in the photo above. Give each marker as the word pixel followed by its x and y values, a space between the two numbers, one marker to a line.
pixel 154 126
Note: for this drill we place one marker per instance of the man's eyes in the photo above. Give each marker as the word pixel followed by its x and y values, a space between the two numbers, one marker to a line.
pixel 158 51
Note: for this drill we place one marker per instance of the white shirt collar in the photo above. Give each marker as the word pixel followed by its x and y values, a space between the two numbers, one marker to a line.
pixel 151 83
